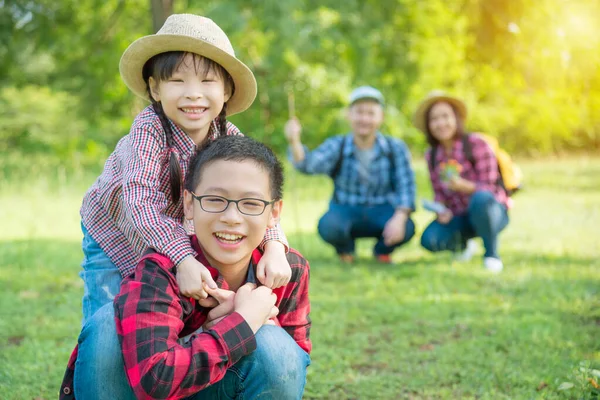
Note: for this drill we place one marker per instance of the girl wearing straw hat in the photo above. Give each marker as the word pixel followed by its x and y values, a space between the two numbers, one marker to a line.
pixel 474 204
pixel 189 72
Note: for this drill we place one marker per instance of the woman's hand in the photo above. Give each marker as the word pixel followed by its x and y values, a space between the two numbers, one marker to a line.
pixel 461 185
pixel 445 217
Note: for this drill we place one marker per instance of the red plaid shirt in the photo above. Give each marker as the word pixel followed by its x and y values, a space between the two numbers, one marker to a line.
pixel 484 174
pixel 151 315
pixel 129 208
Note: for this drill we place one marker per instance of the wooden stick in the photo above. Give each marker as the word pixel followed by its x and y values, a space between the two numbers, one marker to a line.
pixel 295 201
pixel 291 104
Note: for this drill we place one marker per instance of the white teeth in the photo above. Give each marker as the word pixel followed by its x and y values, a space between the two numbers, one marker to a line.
pixel 227 236
pixel 193 110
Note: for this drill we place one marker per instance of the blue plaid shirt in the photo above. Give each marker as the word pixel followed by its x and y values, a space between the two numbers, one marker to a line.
pixel 348 186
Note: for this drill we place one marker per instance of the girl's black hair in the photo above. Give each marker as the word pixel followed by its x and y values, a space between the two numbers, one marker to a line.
pixel 236 148
pixel 161 67
pixel 460 125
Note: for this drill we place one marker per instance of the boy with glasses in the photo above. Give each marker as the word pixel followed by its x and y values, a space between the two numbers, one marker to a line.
pixel 254 340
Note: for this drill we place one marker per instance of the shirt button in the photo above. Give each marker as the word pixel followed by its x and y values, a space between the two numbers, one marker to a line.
pixel 67 390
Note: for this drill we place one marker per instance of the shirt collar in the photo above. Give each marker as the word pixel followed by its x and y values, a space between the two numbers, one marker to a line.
pixel 184 143
pixel 457 148
pixel 250 276
pixel 380 145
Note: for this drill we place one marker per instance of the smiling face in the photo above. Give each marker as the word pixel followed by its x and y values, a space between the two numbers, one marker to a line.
pixel 229 237
pixel 442 121
pixel 193 96
pixel 365 116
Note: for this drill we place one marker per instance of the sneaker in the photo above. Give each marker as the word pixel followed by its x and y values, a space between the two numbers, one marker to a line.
pixel 346 258
pixel 493 264
pixel 468 252
pixel 384 258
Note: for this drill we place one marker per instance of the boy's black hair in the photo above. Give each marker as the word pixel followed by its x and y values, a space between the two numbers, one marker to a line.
pixel 236 148
pixel 161 67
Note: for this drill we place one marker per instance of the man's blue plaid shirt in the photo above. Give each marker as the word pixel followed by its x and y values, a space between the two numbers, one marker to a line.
pixel 350 190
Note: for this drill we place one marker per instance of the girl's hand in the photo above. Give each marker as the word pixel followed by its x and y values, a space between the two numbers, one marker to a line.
pixel 445 217
pixel 190 275
pixel 273 269
pixel 254 304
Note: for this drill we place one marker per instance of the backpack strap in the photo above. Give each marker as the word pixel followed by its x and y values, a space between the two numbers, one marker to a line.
pixel 390 155
pixel 392 159
pixel 338 164
pixel 468 149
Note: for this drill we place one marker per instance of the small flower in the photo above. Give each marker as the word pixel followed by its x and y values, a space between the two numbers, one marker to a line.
pixel 450 169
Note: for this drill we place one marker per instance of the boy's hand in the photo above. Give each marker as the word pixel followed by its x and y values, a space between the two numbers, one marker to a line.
pixel 224 308
pixel 225 298
pixel 273 269
pixel 190 275
pixel 270 318
pixel 254 304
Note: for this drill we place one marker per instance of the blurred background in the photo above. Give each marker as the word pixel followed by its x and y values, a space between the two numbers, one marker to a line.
pixel 529 70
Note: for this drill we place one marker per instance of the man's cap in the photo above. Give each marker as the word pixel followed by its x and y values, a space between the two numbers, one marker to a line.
pixel 366 92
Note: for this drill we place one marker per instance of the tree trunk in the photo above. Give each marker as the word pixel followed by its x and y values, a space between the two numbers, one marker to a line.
pixel 161 9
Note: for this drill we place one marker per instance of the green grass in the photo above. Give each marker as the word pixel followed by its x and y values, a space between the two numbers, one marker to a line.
pixel 425 328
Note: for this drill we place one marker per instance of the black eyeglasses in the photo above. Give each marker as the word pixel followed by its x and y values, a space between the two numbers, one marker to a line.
pixel 247 206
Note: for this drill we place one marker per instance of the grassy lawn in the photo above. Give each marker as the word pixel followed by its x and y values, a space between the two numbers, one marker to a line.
pixel 424 328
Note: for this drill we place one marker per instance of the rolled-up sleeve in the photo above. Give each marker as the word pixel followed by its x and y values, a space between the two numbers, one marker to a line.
pixel 321 160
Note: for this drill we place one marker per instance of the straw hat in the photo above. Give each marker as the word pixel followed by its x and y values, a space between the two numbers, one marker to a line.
pixel 194 34
pixel 433 97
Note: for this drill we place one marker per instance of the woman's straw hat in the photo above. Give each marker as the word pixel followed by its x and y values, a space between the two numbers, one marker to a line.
pixel 194 34
pixel 433 97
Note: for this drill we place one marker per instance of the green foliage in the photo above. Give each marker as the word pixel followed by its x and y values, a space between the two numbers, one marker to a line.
pixel 35 117
pixel 529 71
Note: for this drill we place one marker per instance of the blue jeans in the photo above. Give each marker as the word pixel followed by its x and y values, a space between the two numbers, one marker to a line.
pixel 101 278
pixel 275 370
pixel 485 218
pixel 342 224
